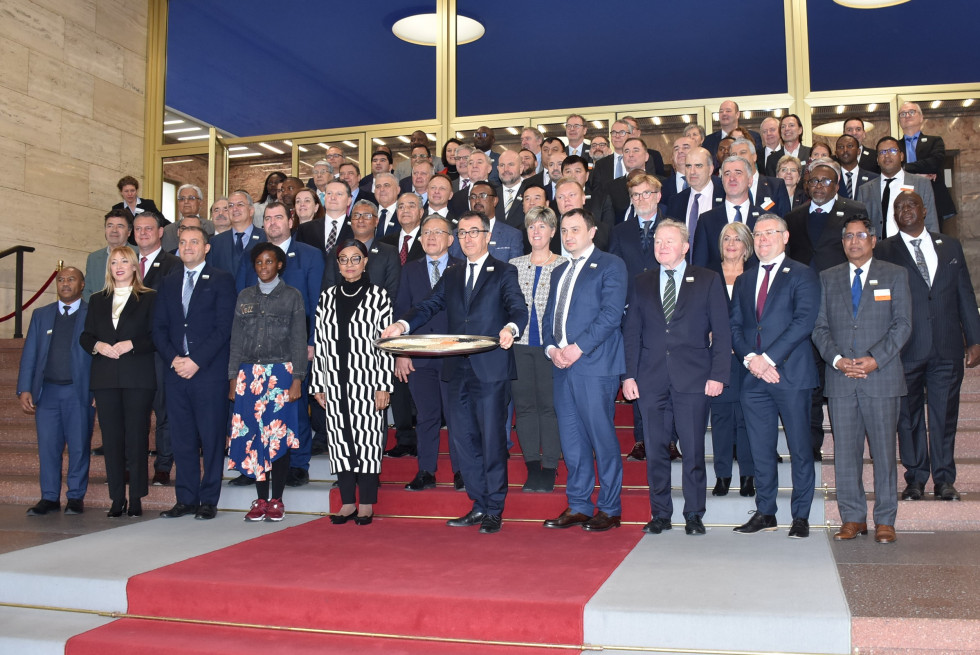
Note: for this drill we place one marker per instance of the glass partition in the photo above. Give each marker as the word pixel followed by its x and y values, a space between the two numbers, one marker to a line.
pixel 177 171
pixel 251 163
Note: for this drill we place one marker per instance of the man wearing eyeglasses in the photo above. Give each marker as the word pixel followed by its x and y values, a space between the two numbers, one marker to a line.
pixel 925 155
pixel 422 374
pixel 635 158
pixel 814 239
pixel 774 306
pixel 612 167
pixel 878 195
pixel 945 318
pixel 420 157
pixel 481 297
pixel 189 199
pixel 505 242
pixel 575 130
pixel 864 321
pixel 229 247
pixel 418 140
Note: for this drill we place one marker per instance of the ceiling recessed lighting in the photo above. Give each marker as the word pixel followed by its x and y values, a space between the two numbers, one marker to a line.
pixel 191 138
pixel 377 141
pixel 873 106
pixel 174 121
pixel 777 113
pixel 968 102
pixel 746 115
pixel 350 144
pixel 235 148
pixel 423 29
pixel 178 130
pixel 597 125
pixel 404 139
pixel 288 142
pixel 542 129
pixel 459 135
pixel 302 149
pixel 271 148
pixel 403 155
pixel 935 104
pixel 657 120
pixel 840 109
pixel 324 146
pixel 513 130
pixel 686 118
pixel 245 154
pixel 177 161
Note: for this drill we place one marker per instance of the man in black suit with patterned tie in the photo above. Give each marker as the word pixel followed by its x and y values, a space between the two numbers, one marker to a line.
pixel 944 320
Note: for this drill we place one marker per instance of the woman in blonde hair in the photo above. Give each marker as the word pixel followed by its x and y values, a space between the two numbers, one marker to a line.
pixel 118 334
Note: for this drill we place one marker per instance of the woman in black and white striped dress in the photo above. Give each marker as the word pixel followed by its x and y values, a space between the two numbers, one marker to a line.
pixel 352 380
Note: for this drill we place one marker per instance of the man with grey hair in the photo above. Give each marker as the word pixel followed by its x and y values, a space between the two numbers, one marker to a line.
pixel 189 200
pixel 230 247
pixel 736 175
pixel 770 139
pixel 463 182
pixel 531 139
pixel 386 191
pixel 418 181
pixel 575 130
pixel 221 215
pixel 322 173
pixel 925 155
pixel 768 192
pixel 677 360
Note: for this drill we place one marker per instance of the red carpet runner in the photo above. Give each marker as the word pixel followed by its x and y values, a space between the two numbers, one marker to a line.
pixel 396 576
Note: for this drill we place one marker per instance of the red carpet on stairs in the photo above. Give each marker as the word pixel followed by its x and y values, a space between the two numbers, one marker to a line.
pixel 396 576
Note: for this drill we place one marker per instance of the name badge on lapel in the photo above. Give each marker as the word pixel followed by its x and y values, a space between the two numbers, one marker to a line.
pixel 689 279
pixel 155 265
pixel 291 254
pixel 873 283
pixel 493 243
pixel 205 277
pixel 489 269
pixel 840 213
pixel 255 237
pixel 49 332
pixel 923 139
pixel 374 250
pixel 883 294
pixel 593 265
pixel 786 270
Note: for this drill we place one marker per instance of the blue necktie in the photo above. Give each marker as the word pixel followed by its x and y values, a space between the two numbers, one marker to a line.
pixel 240 241
pixel 738 214
pixel 856 291
pixel 185 300
pixel 910 149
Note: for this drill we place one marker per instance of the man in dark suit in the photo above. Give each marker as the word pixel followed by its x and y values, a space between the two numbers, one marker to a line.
pixel 511 183
pixel 422 373
pixel 351 174
pixel 192 332
pixel 479 169
pixel 570 194
pixel 676 181
pixel 655 161
pixel 409 248
pixel 304 272
pixel 769 131
pixel 155 263
pixel 728 114
pixel 632 241
pixel 582 336
pixel 505 241
pixel 814 239
pixel 926 155
pixel 767 192
pixel 678 356
pixel 847 150
pixel 635 158
pixel 878 194
pixel 380 163
pixel 575 130
pixel 861 341
pixel 774 307
pixel 790 131
pixel 736 175
pixel 324 234
pixel 945 319
pixel 387 191
pixel 383 267
pixel 481 297
pixel 229 248
pixel 704 193
pixel 483 140
pixel 418 181
pixel 53 384
pixel 868 158
pixel 440 192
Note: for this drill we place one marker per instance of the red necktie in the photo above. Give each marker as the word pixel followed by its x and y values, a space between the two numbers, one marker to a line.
pixel 403 253
pixel 760 302
pixel 142 267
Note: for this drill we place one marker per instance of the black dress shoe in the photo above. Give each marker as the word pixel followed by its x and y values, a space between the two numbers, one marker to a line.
pixel 490 523
pixel 638 454
pixel 178 510
pixel 694 525
pixel 43 507
pixel 118 509
pixel 657 525
pixel 458 483
pixel 817 455
pixel 206 512
pixel 135 507
pixel 74 506
pixel 601 522
pixel 533 477
pixel 914 491
pixel 800 529
pixel 721 487
pixel 473 518
pixel 363 520
pixel 746 485
pixel 242 481
pixel 98 451
pixel 340 519
pixel 401 450
pixel 946 491
pixel 757 523
pixel 297 477
pixel 422 480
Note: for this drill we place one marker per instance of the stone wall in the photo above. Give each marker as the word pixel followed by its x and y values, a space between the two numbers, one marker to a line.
pixel 72 78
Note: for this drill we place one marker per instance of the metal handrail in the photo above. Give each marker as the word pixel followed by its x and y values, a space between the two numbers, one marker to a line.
pixel 18 286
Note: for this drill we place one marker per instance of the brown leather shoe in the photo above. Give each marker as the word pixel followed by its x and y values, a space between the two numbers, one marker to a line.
pixel 885 534
pixel 601 522
pixel 850 530
pixel 567 519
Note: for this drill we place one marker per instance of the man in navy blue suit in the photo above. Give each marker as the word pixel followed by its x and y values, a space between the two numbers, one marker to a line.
pixel 736 177
pixel 774 308
pixel 505 243
pixel 583 338
pixel 305 273
pixel 768 192
pixel 703 194
pixel 229 248
pixel 728 115
pixel 192 333
pixel 481 297
pixel 422 373
pixel 678 357
pixel 53 384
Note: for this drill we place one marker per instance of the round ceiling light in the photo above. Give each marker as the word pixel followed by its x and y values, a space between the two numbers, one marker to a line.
pixel 869 4
pixel 423 29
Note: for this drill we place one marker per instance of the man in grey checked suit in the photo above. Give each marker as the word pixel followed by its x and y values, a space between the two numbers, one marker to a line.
pixel 865 318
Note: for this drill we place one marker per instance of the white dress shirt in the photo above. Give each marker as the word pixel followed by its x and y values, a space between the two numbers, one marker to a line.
pixel 571 292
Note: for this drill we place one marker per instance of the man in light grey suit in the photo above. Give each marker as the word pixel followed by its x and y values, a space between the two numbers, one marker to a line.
pixel 117 230
pixel 879 194
pixel 865 318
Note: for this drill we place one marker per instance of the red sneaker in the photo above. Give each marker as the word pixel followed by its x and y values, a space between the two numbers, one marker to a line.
pixel 258 511
pixel 275 510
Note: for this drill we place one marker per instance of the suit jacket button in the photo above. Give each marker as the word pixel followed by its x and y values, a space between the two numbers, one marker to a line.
pixel 667 353
pixel 668 330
